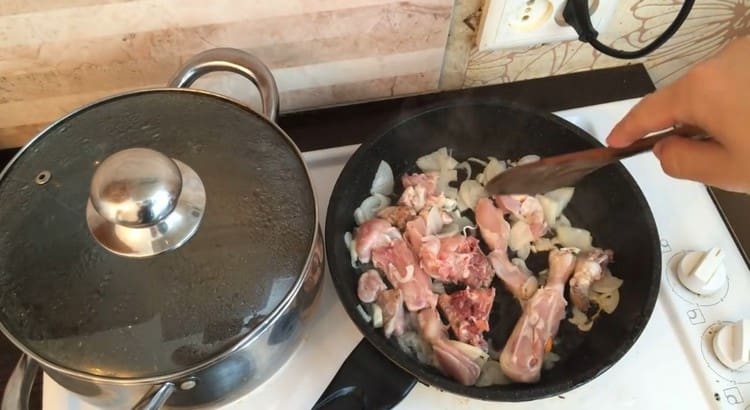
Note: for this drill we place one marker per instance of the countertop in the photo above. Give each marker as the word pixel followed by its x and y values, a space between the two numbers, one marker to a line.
pixel 308 130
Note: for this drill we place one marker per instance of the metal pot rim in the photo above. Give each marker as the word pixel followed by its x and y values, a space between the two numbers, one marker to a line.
pixel 239 344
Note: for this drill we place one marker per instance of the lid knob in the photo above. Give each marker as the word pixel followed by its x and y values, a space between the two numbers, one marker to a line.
pixel 136 187
pixel 143 203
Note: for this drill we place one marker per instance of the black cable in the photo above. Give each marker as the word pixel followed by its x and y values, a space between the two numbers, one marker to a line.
pixel 576 13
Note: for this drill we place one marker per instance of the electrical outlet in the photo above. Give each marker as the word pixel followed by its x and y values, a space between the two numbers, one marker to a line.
pixel 523 23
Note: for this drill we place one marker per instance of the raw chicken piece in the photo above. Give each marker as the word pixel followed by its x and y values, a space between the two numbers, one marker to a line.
pixel 468 312
pixel 416 229
pixel 451 361
pixel 492 225
pixel 521 358
pixel 372 234
pixel 431 327
pixel 370 285
pixel 420 192
pixel 526 208
pixel 438 201
pixel 404 273
pixel 455 259
pixel 398 216
pixel 414 197
pixel 428 181
pixel 391 302
pixel 588 270
pixel 495 231
pixel 455 363
pixel 519 282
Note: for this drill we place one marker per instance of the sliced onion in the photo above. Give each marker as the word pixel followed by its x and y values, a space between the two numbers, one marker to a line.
pixel 351 244
pixel 528 159
pixel 494 168
pixel 574 237
pixel 520 236
pixel 477 161
pixel 463 222
pixel 460 204
pixel 363 313
pixel 492 375
pixel 581 320
pixel 438 287
pixel 434 221
pixel 524 251
pixel 449 204
pixel 476 354
pixel 466 167
pixel 562 196
pixel 607 302
pixel 449 230
pixel 607 284
pixel 452 194
pixel 383 182
pixel 437 161
pixel 549 360
pixel 521 265
pixel 551 209
pixel 542 245
pixel 481 179
pixel 445 177
pixel 471 192
pixel 563 221
pixel 370 207
pixel 377 316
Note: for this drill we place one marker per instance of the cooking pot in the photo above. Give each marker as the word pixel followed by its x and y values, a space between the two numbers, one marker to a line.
pixel 159 247
pixel 608 203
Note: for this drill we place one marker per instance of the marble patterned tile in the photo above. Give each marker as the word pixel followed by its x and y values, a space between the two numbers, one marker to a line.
pixel 711 24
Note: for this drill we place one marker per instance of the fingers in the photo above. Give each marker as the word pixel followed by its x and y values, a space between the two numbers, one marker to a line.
pixel 686 101
pixel 654 112
pixel 702 161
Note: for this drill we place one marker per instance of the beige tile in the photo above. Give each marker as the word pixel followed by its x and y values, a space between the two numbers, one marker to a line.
pixel 56 56
pixel 362 91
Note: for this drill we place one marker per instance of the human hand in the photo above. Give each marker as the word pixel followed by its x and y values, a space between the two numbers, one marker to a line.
pixel 713 95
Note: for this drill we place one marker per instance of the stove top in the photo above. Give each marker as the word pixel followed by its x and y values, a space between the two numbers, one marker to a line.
pixel 672 365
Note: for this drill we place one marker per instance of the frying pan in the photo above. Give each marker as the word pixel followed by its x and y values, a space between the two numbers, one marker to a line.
pixel 608 203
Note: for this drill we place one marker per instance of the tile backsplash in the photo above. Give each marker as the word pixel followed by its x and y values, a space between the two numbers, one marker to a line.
pixel 636 23
pixel 56 55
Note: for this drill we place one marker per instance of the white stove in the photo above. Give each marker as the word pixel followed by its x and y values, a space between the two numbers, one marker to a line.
pixel 671 366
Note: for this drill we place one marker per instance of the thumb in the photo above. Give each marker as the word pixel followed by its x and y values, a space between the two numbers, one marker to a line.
pixel 701 161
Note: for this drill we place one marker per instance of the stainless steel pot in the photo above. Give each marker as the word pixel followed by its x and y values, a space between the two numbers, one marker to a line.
pixel 205 261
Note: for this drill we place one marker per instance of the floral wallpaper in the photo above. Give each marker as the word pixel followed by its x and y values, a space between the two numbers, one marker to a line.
pixel 711 24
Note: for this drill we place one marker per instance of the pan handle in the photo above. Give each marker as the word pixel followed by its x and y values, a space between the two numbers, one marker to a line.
pixel 235 61
pixel 156 397
pixel 18 389
pixel 366 380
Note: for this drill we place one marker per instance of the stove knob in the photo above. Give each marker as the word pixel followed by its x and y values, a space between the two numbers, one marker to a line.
pixel 703 272
pixel 732 344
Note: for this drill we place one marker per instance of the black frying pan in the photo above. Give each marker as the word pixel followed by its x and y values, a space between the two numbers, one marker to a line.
pixel 608 203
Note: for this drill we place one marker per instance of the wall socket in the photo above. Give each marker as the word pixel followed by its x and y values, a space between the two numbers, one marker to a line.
pixel 523 23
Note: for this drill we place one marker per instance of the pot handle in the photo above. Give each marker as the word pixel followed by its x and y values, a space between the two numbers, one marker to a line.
pixel 366 380
pixel 156 397
pixel 235 61
pixel 18 389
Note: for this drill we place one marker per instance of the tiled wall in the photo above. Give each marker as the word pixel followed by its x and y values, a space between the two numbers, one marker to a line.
pixel 56 55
